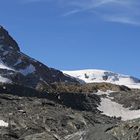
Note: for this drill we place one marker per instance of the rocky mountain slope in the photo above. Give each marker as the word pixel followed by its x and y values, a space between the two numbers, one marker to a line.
pixel 19 68
pixel 99 76
pixel 32 118
pixel 27 114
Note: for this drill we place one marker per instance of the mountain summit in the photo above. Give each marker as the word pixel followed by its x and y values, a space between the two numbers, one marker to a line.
pixel 19 68
pixel 99 76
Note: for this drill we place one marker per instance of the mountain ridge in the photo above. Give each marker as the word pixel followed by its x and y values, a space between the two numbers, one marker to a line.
pixel 21 68
pixel 98 76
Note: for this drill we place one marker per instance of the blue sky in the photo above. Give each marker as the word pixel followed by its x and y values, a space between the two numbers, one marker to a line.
pixel 77 34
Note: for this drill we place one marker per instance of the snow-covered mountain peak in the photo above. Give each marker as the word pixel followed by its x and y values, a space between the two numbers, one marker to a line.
pixel 98 76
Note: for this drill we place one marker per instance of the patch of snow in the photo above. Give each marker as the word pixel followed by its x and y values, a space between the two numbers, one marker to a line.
pixel 11 47
pixel 18 62
pixel 113 109
pixel 5 80
pixel 104 92
pixel 98 76
pixel 28 70
pixel 3 66
pixel 3 124
pixel 134 86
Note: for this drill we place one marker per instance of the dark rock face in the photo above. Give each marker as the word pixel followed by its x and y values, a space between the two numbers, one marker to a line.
pixel 24 69
pixel 77 101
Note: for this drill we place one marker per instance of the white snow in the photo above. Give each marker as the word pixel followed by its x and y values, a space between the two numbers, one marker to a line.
pixel 113 109
pixel 3 123
pixel 5 80
pixel 3 66
pixel 98 76
pixel 2 79
pixel 104 93
pixel 28 70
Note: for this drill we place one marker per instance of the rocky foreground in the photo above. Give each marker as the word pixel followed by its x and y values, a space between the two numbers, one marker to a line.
pixel 59 116
pixel 45 117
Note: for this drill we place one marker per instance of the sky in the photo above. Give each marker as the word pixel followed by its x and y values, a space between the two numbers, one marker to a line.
pixel 77 34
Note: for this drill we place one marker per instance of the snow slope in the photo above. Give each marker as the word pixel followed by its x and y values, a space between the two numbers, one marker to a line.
pixel 113 109
pixel 4 67
pixel 98 76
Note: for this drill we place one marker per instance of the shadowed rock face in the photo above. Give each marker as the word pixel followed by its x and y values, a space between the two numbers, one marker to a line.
pixel 24 69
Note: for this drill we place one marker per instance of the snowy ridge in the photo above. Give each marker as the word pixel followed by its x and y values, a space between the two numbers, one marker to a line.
pixel 98 76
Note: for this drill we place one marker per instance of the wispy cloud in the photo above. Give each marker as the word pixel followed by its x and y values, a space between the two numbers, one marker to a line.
pixel 71 12
pixel 124 20
pixel 122 11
